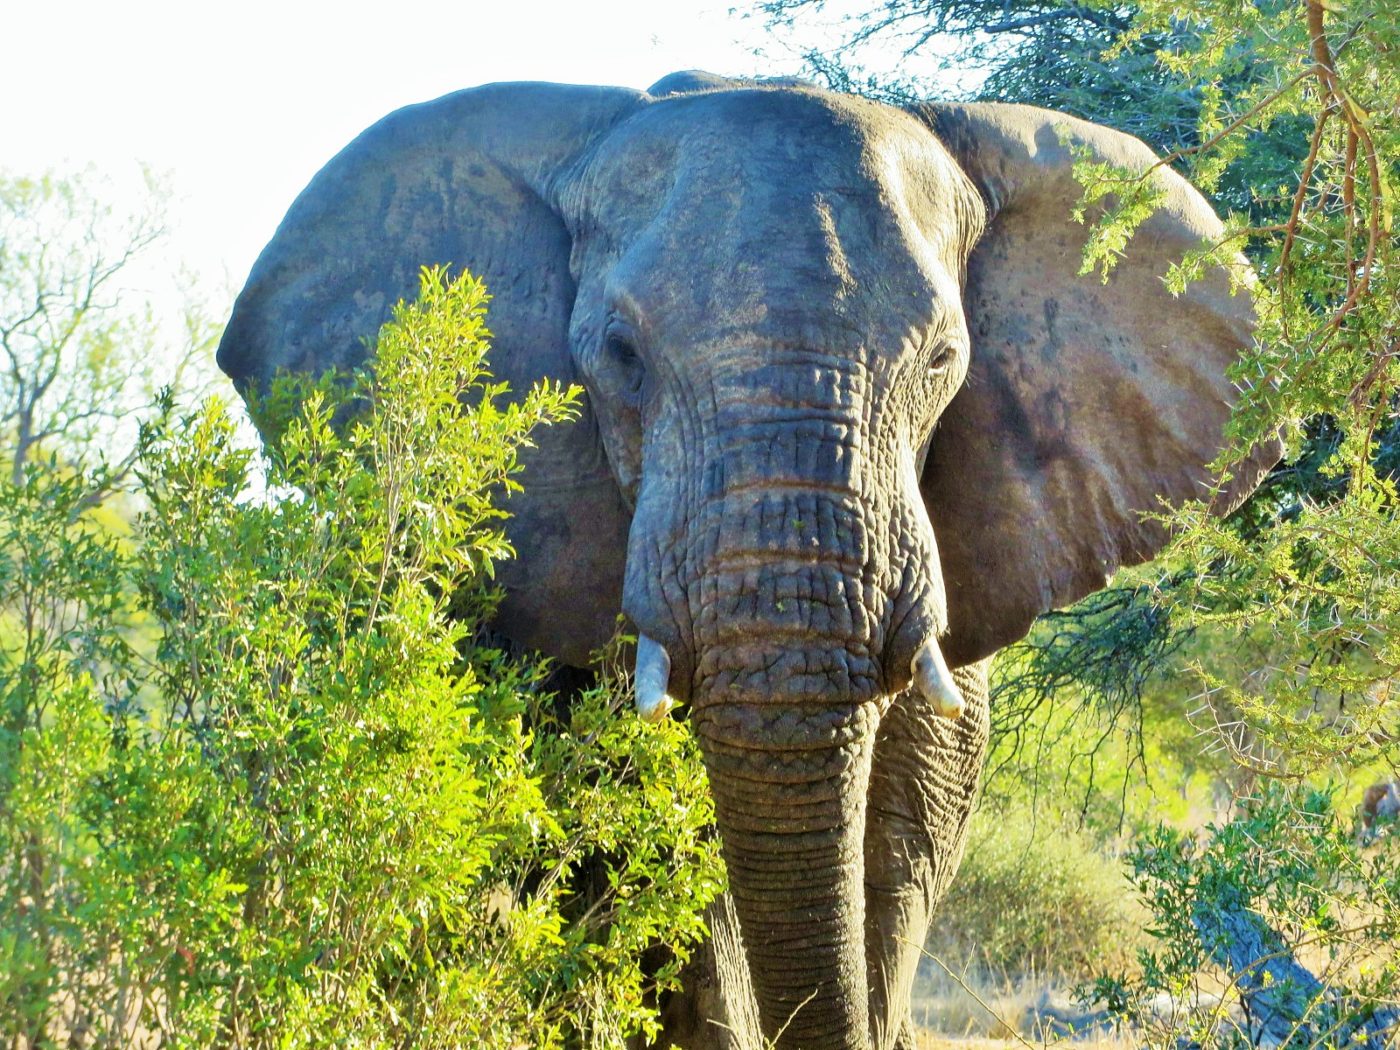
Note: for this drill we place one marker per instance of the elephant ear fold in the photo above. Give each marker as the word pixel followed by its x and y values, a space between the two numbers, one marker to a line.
pixel 1086 403
pixel 467 181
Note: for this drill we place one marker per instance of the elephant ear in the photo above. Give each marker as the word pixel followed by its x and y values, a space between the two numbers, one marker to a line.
pixel 1086 403
pixel 466 181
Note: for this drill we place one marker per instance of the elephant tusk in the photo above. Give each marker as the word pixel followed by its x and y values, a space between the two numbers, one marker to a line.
pixel 652 677
pixel 935 681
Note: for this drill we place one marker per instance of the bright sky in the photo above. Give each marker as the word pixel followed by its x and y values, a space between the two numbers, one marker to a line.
pixel 240 103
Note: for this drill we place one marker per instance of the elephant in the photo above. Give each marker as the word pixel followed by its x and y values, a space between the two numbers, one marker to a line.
pixel 852 420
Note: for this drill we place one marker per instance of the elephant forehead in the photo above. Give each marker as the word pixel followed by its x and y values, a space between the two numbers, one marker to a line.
pixel 816 211
pixel 768 153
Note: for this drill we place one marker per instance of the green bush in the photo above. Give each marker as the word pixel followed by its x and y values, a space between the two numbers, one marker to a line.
pixel 1283 910
pixel 1034 896
pixel 320 811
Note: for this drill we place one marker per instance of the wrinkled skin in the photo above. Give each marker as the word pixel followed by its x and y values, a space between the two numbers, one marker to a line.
pixel 772 296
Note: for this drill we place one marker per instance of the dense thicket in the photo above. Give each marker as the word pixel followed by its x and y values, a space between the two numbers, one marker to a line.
pixel 258 788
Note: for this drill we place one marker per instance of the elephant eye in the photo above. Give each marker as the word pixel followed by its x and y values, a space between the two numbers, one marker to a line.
pixel 624 361
pixel 942 358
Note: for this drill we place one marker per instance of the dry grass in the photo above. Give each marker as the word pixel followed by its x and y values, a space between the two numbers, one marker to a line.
pixel 1037 896
pixel 931 1041
pixel 969 1009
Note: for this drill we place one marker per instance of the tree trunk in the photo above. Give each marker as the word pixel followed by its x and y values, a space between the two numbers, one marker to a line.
pixel 1284 1002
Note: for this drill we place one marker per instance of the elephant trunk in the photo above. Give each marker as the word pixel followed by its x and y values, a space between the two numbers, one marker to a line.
pixel 786 697
pixel 781 560
pixel 789 782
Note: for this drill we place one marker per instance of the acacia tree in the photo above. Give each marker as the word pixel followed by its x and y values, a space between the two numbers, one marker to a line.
pixel 1284 112
pixel 79 349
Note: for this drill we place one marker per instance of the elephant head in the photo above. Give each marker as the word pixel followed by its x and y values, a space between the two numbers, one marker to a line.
pixel 851 415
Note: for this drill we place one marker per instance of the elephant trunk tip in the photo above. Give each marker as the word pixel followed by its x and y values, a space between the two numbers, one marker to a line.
pixel 935 682
pixel 652 680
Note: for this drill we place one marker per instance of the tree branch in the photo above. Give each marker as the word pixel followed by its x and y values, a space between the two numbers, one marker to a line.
pixel 1284 997
pixel 1012 25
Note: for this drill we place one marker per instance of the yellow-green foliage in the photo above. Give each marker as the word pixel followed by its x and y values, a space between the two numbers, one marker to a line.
pixel 322 813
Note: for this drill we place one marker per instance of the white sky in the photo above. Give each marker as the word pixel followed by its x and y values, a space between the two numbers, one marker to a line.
pixel 241 103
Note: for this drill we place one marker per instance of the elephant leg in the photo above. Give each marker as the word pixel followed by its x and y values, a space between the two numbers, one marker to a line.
pixel 714 1009
pixel 923 782
pixel 689 1014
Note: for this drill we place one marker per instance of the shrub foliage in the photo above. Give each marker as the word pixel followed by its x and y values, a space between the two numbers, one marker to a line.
pixel 1284 911
pixel 1035 895
pixel 258 787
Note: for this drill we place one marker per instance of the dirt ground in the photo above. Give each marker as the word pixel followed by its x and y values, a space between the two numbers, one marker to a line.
pixel 932 1041
pixel 1006 1014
